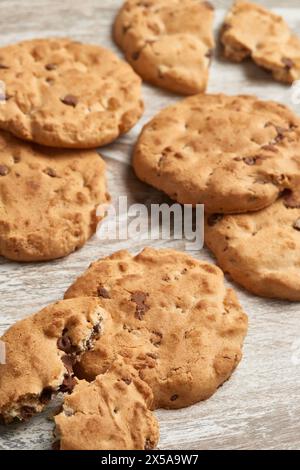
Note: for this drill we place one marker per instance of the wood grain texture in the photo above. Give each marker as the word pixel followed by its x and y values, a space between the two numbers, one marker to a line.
pixel 259 407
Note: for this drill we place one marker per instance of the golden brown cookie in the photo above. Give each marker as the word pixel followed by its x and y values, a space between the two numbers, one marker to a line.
pixel 232 153
pixel 111 413
pixel 48 199
pixel 252 31
pixel 171 316
pixel 261 250
pixel 168 42
pixel 62 93
pixel 40 353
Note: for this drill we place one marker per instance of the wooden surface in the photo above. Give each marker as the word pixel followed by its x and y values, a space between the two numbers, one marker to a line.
pixel 259 407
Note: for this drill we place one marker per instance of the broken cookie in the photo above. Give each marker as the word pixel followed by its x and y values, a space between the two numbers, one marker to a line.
pixel 171 316
pixel 110 413
pixel 168 42
pixel 252 31
pixel 41 351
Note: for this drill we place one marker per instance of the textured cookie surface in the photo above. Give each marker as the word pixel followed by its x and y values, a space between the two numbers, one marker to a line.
pixel 171 317
pixel 111 413
pixel 252 31
pixel 40 353
pixel 168 42
pixel 62 93
pixel 232 153
pixel 48 199
pixel 261 251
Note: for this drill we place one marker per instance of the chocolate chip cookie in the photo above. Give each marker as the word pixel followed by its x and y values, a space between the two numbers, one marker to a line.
pixel 111 413
pixel 232 153
pixel 171 317
pixel 260 251
pixel 168 42
pixel 252 31
pixel 62 93
pixel 48 199
pixel 41 351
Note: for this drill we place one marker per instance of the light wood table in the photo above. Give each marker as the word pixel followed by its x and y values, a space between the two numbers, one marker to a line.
pixel 259 407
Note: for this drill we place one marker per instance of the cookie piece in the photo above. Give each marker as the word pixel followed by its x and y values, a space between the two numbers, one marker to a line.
pixel 48 199
pixel 40 353
pixel 252 31
pixel 189 152
pixel 168 42
pixel 111 413
pixel 260 251
pixel 62 93
pixel 171 316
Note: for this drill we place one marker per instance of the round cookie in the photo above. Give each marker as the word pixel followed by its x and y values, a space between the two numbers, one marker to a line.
pixel 111 413
pixel 48 199
pixel 232 153
pixel 62 93
pixel 40 353
pixel 168 42
pixel 171 316
pixel 260 251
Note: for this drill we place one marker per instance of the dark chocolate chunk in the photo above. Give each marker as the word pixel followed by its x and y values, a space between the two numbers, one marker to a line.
pixel 213 219
pixel 4 170
pixel 139 298
pixel 70 100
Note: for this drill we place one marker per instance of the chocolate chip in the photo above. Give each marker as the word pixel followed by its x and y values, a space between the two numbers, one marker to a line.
pixel 68 384
pixel 64 343
pixel 4 170
pixel 209 5
pixel 70 100
pixel 174 397
pixel 135 55
pixel 127 381
pixel 148 444
pixel 157 339
pixel 102 292
pixel 3 67
pixel 139 298
pixel 68 362
pixel 209 53
pixel 270 148
pixel 50 67
pixel 250 160
pixel 27 412
pixel 213 219
pixel 50 172
pixel 296 224
pixel 290 201
pixel 46 395
pixel 289 64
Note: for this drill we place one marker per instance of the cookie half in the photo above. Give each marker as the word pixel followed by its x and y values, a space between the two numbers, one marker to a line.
pixel 171 316
pixel 252 31
pixel 111 413
pixel 260 251
pixel 232 153
pixel 41 352
pixel 48 199
pixel 62 93
pixel 168 42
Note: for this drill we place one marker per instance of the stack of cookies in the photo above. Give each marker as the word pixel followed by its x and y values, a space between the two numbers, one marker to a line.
pixel 134 333
pixel 58 95
pixel 159 329
pixel 249 184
